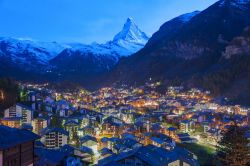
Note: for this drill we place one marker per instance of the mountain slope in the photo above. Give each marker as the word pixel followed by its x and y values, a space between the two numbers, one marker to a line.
pixel 189 50
pixel 171 27
pixel 25 58
pixel 192 53
pixel 232 79
pixel 26 53
pixel 87 62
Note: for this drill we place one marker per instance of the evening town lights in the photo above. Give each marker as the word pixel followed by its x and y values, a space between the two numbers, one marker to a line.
pixel 1 95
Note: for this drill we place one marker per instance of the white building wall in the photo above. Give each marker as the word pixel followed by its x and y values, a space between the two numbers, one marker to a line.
pixel 64 139
pixel 7 113
pixel 185 164
pixel 18 111
pixel 175 163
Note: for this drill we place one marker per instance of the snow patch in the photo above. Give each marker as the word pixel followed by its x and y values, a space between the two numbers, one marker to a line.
pixel 187 17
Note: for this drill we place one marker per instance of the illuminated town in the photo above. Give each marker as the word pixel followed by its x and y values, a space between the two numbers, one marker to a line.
pixel 125 83
pixel 97 127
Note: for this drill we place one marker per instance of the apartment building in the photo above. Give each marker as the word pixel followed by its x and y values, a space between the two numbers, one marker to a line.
pixel 54 138
pixel 38 124
pixel 20 110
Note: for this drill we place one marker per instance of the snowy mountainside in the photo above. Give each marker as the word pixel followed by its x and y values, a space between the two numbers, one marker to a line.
pixel 21 51
pixel 128 41
pixel 28 54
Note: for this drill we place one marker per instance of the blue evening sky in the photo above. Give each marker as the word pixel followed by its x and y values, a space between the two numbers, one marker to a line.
pixel 87 20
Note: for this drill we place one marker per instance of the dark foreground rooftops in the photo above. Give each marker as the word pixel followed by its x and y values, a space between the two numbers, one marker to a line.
pixel 152 155
pixel 50 156
pixel 10 137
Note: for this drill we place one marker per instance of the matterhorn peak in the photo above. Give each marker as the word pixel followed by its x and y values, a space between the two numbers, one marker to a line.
pixel 131 33
pixel 129 23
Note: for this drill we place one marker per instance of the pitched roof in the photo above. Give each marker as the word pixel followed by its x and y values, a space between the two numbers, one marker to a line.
pixel 25 106
pixel 105 151
pixel 86 149
pixel 172 129
pixel 153 155
pixel 157 140
pixel 71 122
pixel 11 136
pixel 49 156
pixel 182 135
pixel 87 138
pixel 50 130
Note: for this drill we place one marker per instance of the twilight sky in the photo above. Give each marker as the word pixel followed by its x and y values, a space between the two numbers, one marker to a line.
pixel 87 20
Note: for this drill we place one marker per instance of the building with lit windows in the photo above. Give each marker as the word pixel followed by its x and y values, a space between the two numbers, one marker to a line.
pixel 54 138
pixel 186 126
pixel 38 124
pixel 20 110
pixel 11 122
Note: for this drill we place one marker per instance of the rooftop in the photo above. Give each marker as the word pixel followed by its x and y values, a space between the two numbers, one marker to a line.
pixel 152 155
pixel 11 136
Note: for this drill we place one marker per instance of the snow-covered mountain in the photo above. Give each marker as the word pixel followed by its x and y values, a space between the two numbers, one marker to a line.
pixel 128 41
pixel 28 53
pixel 131 37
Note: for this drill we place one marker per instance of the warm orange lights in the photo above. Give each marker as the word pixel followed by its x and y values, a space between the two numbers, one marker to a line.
pixel 1 95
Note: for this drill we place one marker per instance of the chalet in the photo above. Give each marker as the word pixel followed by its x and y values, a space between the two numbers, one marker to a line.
pixel 124 145
pixel 38 124
pixel 185 138
pixel 186 126
pixel 54 138
pixel 112 126
pixel 72 127
pixel 90 142
pixel 171 131
pixel 12 122
pixel 20 110
pixel 16 146
pixel 87 154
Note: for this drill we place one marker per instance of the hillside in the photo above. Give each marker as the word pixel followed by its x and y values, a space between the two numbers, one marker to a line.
pixel 190 53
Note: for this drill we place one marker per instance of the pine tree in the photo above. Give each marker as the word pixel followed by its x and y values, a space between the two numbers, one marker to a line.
pixel 9 93
pixel 232 149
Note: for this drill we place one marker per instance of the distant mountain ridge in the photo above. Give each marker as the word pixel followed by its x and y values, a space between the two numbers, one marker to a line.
pixel 56 58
